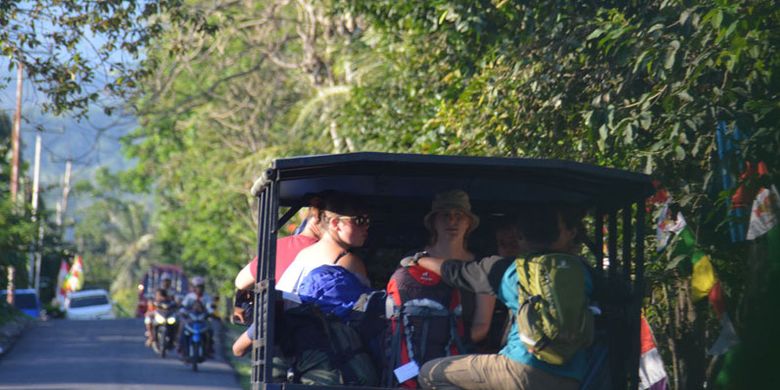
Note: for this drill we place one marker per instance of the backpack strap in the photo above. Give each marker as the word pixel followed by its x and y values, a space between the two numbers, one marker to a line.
pixel 426 309
pixel 395 347
pixel 340 255
pixel 454 337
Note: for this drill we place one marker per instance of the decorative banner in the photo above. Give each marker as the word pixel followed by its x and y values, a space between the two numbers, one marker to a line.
pixel 703 278
pixel 704 281
pixel 75 279
pixel 652 374
pixel 728 335
pixel 763 217
pixel 61 288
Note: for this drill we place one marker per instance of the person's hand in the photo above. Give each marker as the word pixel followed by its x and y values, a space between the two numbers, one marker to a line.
pixel 408 261
pixel 238 316
pixel 412 260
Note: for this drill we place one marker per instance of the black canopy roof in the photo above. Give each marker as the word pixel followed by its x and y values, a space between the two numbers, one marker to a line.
pixel 490 181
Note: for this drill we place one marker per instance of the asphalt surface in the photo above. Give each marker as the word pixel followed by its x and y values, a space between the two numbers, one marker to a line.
pixel 107 354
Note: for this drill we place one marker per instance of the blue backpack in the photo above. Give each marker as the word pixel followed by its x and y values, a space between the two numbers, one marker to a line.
pixel 334 289
pixel 329 336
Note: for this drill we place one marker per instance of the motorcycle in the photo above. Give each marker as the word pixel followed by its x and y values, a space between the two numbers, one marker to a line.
pixel 165 324
pixel 196 336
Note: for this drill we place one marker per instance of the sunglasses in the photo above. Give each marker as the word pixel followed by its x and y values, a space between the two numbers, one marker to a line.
pixel 360 220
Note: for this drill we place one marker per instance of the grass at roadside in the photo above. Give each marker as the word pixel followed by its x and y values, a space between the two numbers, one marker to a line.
pixel 242 365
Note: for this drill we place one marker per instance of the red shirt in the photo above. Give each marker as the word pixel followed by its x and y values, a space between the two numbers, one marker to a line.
pixel 286 250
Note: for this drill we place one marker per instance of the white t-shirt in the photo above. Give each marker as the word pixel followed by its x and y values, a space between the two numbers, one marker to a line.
pixel 294 274
pixel 191 298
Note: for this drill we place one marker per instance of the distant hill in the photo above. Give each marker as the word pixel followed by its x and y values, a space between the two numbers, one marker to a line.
pixel 91 143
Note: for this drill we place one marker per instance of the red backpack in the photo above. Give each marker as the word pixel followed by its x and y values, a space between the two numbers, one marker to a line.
pixel 425 321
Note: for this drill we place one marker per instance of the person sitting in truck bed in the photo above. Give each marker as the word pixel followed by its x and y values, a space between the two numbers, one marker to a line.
pixel 545 230
pixel 343 222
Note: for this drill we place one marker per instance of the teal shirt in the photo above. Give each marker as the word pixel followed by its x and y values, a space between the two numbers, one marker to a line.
pixel 515 349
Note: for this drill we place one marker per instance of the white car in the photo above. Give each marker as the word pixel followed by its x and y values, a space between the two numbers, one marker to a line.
pixel 89 305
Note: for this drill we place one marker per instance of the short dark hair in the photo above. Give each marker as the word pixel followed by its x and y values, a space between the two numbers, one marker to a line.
pixel 343 204
pixel 340 203
pixel 538 224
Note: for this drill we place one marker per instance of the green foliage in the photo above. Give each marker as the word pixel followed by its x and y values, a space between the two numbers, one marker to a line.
pixel 634 85
pixel 77 51
pixel 114 235
pixel 16 229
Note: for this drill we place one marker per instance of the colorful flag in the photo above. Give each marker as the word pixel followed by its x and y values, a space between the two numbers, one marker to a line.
pixel 652 374
pixel 704 282
pixel 75 279
pixel 763 217
pixel 728 335
pixel 703 277
pixel 61 276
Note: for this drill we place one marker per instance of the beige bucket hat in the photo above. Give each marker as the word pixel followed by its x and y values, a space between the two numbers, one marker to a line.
pixel 451 200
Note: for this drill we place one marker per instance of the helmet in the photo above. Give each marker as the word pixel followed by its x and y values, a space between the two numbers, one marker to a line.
pixel 198 281
pixel 166 276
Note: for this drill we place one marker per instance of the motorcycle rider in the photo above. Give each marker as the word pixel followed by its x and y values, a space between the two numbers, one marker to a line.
pixel 197 295
pixel 166 283
pixel 160 296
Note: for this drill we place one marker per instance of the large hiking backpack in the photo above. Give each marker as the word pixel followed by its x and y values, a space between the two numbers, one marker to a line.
pixel 327 338
pixel 553 319
pixel 425 322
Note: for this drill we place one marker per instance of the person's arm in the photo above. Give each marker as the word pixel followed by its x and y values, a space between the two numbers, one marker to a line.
pixel 483 315
pixel 432 264
pixel 482 277
pixel 244 279
pixel 242 344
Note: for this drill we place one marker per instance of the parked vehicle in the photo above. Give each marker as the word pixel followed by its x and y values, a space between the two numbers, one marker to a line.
pixel 165 327
pixel 89 305
pixel 152 280
pixel 196 331
pixel 26 300
pixel 398 189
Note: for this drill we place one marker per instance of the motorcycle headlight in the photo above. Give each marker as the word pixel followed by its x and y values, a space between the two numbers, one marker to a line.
pixel 171 320
pixel 159 319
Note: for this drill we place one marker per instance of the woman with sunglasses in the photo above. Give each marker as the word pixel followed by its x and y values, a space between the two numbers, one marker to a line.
pixel 344 225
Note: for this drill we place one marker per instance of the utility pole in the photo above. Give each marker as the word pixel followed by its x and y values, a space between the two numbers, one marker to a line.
pixel 63 205
pixel 15 134
pixel 36 179
pixel 39 259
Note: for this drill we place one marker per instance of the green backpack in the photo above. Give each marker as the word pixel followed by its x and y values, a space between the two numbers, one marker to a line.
pixel 553 319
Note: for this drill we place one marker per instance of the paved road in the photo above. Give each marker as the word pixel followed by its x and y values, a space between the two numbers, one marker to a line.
pixel 88 355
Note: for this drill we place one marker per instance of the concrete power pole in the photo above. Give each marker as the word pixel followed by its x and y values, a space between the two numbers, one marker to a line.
pixel 63 204
pixel 36 180
pixel 15 134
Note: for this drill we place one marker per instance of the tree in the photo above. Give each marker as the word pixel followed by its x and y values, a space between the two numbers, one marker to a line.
pixel 266 83
pixel 635 85
pixel 115 235
pixel 76 51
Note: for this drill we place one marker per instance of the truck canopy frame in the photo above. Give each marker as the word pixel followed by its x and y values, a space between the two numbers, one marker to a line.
pixel 398 187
